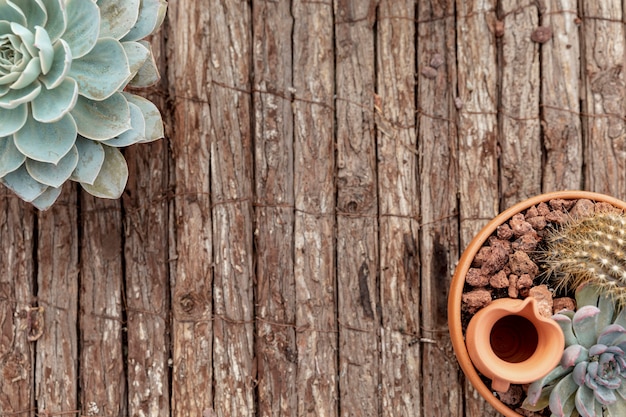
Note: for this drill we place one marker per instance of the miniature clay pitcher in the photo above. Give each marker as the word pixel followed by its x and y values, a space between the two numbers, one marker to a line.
pixel 511 343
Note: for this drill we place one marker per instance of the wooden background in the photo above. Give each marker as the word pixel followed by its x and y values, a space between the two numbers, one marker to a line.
pixel 286 250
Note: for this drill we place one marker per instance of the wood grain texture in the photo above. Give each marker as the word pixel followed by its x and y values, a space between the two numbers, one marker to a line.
pixel 192 255
pixel 477 133
pixel 314 186
pixel 17 366
pixel 276 349
pixel 518 124
pixel 101 314
pixel 230 63
pixel 437 139
pixel 478 96
pixel 357 208
pixel 560 97
pixel 603 97
pixel 398 191
pixel 146 284
pixel 56 382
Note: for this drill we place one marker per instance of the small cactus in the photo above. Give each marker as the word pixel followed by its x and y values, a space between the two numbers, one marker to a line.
pixel 590 249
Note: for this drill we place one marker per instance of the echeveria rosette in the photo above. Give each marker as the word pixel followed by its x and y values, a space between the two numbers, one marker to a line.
pixel 590 380
pixel 63 113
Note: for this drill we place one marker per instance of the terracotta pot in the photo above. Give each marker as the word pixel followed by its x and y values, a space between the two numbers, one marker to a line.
pixel 458 282
pixel 511 343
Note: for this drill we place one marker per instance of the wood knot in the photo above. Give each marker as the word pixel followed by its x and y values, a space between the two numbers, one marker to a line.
pixel 187 303
pixel 190 305
pixel 541 35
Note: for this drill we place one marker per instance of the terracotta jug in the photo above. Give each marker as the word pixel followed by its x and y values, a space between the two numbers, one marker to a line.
pixel 510 342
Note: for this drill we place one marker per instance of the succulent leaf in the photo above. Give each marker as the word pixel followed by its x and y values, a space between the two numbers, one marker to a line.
pixel 59 137
pixel 112 177
pixel 51 105
pixel 47 198
pixel 10 157
pixel 151 15
pixel 118 18
pixel 83 26
pixel 102 120
pixel 53 175
pixel 103 71
pixel 12 120
pixel 90 160
pixel 22 184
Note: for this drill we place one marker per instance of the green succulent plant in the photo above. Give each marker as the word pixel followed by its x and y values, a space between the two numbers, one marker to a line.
pixel 590 380
pixel 63 113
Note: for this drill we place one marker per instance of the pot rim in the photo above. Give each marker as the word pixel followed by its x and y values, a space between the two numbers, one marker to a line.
pixel 458 282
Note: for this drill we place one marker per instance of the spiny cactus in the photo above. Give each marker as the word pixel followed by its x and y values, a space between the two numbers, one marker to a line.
pixel 591 377
pixel 589 249
pixel 64 65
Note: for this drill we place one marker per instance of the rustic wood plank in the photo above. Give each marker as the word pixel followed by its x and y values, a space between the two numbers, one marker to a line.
pixel 101 317
pixel 146 272
pixel 477 76
pixel 357 208
pixel 191 274
pixel 56 382
pixel 147 290
pixel 437 138
pixel 275 348
pixel 519 129
pixel 231 194
pixel 17 226
pixel 314 169
pixel 477 133
pixel 398 191
pixel 604 83
pixel 560 97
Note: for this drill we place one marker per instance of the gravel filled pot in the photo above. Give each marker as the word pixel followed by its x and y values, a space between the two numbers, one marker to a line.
pixel 499 263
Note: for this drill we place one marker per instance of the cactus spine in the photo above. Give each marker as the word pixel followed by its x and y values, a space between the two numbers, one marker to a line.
pixel 589 249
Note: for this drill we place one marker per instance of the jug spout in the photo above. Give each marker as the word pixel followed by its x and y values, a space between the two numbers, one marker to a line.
pixel 510 342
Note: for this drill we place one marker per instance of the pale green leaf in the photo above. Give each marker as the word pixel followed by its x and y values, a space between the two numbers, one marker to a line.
pixel 46 142
pixel 22 184
pixel 102 120
pixel 103 71
pixel 10 157
pixel 52 105
pixel 12 120
pixel 53 175
pixel 112 178
pixel 90 160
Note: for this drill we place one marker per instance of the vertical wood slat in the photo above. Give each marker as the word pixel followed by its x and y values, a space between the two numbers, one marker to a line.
pixel 314 168
pixel 192 258
pixel 231 194
pixel 560 97
pixel 477 133
pixel 146 267
pixel 102 361
pixel 439 251
pixel 519 129
pixel 56 382
pixel 398 191
pixel 357 229
pixel 146 289
pixel 17 225
pixel 603 97
pixel 274 212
